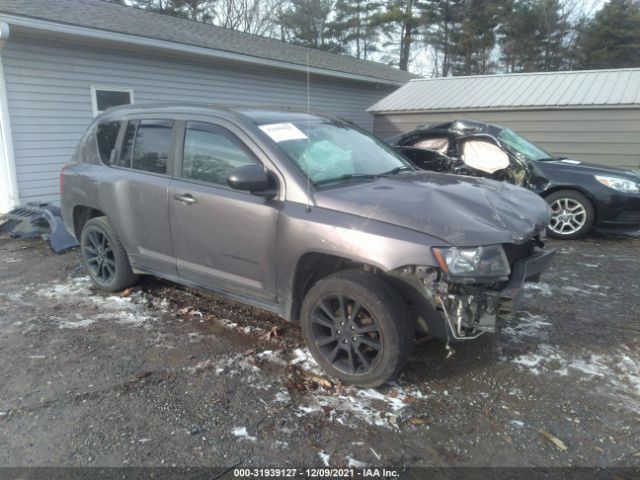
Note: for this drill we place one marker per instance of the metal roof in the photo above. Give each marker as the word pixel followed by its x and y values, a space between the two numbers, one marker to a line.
pixel 546 90
pixel 121 19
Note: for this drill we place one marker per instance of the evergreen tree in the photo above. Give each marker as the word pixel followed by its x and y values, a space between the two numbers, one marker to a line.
pixel 612 38
pixel 443 18
pixel 354 28
pixel 307 22
pixel 401 21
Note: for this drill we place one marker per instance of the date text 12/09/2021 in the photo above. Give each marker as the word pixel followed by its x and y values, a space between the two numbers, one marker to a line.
pixel 315 473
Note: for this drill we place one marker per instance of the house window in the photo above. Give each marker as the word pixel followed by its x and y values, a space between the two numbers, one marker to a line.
pixel 106 97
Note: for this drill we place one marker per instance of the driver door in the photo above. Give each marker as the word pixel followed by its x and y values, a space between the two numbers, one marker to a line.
pixel 223 239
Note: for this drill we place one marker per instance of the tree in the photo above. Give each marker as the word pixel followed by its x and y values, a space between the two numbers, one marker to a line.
pixel 354 27
pixel 612 38
pixel 519 36
pixel 443 18
pixel 307 22
pixel 473 43
pixel 259 17
pixel 400 21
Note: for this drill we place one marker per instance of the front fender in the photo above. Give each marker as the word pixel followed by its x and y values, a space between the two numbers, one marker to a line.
pixel 303 230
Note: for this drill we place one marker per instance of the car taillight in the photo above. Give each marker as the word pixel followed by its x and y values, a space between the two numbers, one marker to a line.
pixel 61 173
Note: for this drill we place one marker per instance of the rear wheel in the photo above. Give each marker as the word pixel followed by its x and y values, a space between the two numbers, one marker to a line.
pixel 357 328
pixel 104 256
pixel 572 214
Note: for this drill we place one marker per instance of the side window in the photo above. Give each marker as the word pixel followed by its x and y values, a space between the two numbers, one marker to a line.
pixel 146 145
pixel 211 153
pixel 106 136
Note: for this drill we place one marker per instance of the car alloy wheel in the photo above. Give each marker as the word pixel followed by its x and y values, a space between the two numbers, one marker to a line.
pixel 99 256
pixel 568 216
pixel 346 334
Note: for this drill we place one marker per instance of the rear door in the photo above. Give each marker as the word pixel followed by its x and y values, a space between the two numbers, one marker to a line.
pixel 223 238
pixel 133 192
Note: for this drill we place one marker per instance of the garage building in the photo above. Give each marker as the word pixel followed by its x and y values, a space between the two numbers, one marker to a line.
pixel 593 116
pixel 64 61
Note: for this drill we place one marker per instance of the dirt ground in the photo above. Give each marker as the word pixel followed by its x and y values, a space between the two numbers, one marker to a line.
pixel 165 375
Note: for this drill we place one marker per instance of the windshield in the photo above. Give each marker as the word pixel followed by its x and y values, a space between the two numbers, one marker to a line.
pixel 520 145
pixel 328 150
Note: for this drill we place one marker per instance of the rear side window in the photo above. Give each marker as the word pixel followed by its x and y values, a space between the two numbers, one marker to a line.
pixel 146 145
pixel 211 153
pixel 106 136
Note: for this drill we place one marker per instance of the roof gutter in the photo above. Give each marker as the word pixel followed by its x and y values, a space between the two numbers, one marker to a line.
pixel 128 39
pixel 502 109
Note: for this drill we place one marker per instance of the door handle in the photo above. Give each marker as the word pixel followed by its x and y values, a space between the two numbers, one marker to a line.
pixel 186 198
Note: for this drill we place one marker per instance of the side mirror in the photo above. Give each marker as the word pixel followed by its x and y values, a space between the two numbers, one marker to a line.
pixel 252 178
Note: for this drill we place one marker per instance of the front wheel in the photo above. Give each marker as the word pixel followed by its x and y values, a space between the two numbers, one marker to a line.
pixel 104 256
pixel 572 215
pixel 357 328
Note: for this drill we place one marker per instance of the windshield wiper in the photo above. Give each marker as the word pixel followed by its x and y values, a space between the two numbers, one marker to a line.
pixel 347 177
pixel 394 171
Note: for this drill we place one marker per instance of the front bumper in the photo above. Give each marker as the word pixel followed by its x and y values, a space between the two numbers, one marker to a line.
pixel 525 270
pixel 470 313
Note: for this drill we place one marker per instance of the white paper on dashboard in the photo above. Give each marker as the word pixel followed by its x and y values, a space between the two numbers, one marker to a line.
pixel 281 132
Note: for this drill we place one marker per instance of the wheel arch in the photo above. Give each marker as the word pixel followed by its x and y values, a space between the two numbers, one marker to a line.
pixel 580 190
pixel 313 267
pixel 81 215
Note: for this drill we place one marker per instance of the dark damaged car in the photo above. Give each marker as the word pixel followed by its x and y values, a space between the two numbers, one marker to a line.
pixel 581 196
pixel 308 217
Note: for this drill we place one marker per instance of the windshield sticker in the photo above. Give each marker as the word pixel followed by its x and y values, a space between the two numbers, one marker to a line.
pixel 281 132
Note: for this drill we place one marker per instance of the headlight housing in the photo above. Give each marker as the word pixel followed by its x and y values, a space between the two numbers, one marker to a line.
pixel 485 261
pixel 621 184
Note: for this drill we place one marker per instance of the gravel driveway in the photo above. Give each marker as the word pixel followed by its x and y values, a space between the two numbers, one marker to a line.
pixel 166 375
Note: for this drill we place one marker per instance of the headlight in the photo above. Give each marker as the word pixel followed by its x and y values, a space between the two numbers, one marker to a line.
pixel 486 261
pixel 620 184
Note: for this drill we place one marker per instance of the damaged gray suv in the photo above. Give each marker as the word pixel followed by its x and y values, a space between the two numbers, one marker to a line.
pixel 308 217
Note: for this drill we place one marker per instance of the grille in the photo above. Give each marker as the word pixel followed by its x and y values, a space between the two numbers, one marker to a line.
pixel 516 252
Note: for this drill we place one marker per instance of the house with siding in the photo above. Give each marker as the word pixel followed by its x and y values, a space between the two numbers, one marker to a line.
pixel 593 116
pixel 64 61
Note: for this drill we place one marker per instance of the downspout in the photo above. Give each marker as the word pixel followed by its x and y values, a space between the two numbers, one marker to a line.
pixel 8 181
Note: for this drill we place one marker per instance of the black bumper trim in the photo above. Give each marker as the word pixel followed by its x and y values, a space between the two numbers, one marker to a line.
pixel 527 269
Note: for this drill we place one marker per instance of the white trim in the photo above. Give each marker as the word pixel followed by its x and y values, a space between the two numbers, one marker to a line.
pixel 109 88
pixel 8 181
pixel 130 39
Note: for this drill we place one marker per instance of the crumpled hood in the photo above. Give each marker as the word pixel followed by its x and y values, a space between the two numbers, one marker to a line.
pixel 462 211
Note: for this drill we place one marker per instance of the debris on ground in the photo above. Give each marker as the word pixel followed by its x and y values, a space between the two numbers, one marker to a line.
pixel 553 439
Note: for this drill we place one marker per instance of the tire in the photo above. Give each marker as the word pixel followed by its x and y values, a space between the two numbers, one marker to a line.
pixel 572 215
pixel 380 329
pixel 104 256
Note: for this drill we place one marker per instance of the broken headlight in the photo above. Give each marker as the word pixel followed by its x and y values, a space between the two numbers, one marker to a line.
pixel 620 184
pixel 485 261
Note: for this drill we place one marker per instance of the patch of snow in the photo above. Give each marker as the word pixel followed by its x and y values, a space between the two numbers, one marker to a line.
pixel 526 325
pixel 353 463
pixel 77 292
pixel 325 457
pixel 76 324
pixel 543 288
pixel 302 358
pixel 241 432
pixel 617 373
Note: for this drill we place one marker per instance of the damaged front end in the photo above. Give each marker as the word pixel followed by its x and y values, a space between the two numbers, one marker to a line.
pixel 474 288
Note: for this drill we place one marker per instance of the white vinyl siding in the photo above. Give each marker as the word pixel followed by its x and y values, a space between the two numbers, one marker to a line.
pixel 49 84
